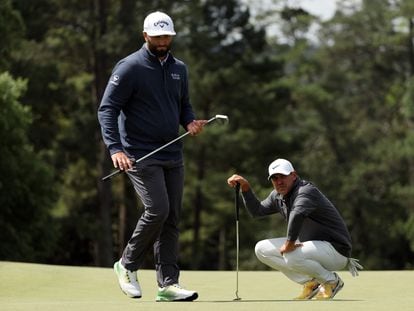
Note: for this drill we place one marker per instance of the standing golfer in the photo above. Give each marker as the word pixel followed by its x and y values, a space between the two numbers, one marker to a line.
pixel 144 104
pixel 317 243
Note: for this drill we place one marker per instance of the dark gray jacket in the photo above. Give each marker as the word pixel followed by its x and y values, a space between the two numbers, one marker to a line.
pixel 308 212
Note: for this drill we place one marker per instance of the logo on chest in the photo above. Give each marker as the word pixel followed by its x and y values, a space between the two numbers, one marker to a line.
pixel 175 76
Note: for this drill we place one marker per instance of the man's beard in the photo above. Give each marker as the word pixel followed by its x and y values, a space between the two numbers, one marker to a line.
pixel 159 53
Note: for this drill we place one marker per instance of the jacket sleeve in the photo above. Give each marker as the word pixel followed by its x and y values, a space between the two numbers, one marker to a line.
pixel 268 206
pixel 116 95
pixel 303 205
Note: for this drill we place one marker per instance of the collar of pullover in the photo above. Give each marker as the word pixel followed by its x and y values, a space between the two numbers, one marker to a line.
pixel 294 187
pixel 168 59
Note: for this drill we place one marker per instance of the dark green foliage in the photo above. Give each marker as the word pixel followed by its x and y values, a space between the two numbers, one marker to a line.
pixel 26 183
pixel 341 108
pixel 11 31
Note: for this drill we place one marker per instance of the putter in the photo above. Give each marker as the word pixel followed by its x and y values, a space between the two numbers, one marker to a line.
pixel 220 117
pixel 237 206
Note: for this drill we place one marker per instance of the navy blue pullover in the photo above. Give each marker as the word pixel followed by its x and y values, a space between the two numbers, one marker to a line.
pixel 144 105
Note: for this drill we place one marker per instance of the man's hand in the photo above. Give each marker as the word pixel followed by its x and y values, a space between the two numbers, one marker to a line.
pixel 121 161
pixel 233 180
pixel 289 246
pixel 196 127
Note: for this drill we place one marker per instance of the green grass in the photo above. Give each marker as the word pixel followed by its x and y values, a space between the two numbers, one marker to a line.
pixel 45 287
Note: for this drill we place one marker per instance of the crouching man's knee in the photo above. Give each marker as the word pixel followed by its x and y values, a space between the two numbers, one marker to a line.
pixel 259 249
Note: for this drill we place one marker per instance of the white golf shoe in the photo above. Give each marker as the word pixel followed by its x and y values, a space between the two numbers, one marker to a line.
pixel 175 293
pixel 128 281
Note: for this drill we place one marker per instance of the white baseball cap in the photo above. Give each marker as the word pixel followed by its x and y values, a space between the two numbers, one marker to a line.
pixel 280 166
pixel 158 24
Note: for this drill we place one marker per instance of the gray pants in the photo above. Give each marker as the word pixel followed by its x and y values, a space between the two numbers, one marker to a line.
pixel 159 185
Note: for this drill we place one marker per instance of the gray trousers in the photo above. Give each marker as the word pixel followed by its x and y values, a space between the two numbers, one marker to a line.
pixel 159 185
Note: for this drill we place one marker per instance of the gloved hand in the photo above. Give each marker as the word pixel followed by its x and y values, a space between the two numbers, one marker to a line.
pixel 354 266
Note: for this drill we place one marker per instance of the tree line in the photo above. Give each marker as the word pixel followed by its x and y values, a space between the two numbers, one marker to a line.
pixel 338 104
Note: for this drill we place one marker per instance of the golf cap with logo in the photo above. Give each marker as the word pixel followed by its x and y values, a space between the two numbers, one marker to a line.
pixel 280 166
pixel 158 24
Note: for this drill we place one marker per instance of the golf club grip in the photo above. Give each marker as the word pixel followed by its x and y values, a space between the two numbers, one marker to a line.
pixel 237 201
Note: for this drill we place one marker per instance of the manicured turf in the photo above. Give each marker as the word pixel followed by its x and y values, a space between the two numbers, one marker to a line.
pixel 44 287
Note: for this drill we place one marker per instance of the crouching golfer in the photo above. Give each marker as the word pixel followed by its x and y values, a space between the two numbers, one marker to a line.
pixel 317 243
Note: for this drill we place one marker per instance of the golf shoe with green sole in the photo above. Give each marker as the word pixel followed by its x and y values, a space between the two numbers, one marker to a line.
pixel 175 293
pixel 128 281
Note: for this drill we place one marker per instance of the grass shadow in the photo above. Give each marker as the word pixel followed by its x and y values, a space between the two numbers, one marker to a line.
pixel 277 300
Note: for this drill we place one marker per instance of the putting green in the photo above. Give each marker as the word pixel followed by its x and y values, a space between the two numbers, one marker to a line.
pixel 26 286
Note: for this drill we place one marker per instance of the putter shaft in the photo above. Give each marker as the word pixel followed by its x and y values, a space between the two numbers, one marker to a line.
pixel 237 207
